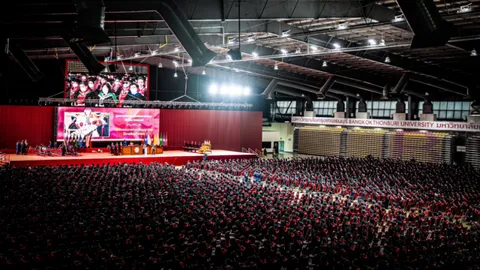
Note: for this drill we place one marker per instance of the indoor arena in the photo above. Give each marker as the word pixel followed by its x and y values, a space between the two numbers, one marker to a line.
pixel 240 134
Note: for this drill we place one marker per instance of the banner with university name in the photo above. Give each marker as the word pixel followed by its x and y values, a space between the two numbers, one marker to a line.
pixel 394 124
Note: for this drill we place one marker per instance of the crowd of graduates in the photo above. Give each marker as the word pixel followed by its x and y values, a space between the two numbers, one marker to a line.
pixel 303 213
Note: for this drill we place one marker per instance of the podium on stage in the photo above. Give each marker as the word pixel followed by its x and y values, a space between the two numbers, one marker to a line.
pixel 138 150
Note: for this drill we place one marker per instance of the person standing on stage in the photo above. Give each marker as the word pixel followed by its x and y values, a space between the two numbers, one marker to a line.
pixel 154 149
pixel 64 149
pixel 18 147
pixel 25 149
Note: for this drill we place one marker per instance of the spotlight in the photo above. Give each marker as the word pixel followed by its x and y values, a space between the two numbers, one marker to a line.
pixel 190 61
pixel 154 52
pixel 275 67
pixel 251 39
pixel 255 54
pixel 204 72
pixel 336 46
pixel 231 41
pixel 324 63
pixel 372 42
pixel 137 54
pixel 175 75
pixel 286 33
pixel 229 58
pixel 473 53
pixel 246 91
pixel 342 26
pixel 314 48
pixel 284 51
pixel 160 65
pixel 177 49
pixel 175 63
pixel 398 18
pixel 382 42
pixel 130 68
pixel 236 90
pixel 213 89
pixel 224 89
pixel 387 59
pixel 298 50
pixel 465 9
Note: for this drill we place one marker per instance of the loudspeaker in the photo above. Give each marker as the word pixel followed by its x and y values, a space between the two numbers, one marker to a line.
pixel 22 59
pixel 183 30
pixel 427 107
pixel 90 23
pixel 426 22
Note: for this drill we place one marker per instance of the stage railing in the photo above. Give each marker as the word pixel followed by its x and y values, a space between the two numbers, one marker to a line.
pixel 259 153
pixel 244 150
pixel 145 104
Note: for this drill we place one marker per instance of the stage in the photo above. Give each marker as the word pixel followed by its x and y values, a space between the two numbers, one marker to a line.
pixel 177 158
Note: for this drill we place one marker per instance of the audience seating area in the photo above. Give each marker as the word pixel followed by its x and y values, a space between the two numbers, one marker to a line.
pixel 429 147
pixel 334 213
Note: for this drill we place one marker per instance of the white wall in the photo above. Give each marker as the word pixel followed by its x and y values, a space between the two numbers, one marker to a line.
pixel 285 134
pixel 270 136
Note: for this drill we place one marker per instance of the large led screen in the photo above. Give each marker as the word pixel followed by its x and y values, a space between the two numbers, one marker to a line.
pixel 107 124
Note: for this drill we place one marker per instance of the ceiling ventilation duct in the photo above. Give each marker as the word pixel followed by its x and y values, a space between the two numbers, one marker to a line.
pixel 426 23
pixel 86 57
pixel 20 57
pixel 183 30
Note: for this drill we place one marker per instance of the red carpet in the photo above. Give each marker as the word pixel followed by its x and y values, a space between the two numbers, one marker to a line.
pixel 176 158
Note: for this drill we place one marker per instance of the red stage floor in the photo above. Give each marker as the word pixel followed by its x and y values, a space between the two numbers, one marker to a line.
pixel 176 158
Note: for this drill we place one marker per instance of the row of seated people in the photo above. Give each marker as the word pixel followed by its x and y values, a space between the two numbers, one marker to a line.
pixel 156 216
pixel 191 146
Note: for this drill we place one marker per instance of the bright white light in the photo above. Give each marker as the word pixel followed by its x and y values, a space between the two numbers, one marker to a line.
pixel 398 18
pixel 251 39
pixel 236 90
pixel 324 63
pixel 213 89
pixel 231 41
pixel 229 58
pixel 190 61
pixel 204 72
pixel 130 68
pixel 314 48
pixel 382 42
pixel 255 54
pixel 154 52
pixel 275 67
pixel 284 52
pixel 137 54
pixel 175 75
pixel 473 53
pixel 246 91
pixel 465 9
pixel 160 65
pixel 175 63
pixel 387 59
pixel 298 50
pixel 286 33
pixel 342 26
pixel 336 46
pixel 224 90
pixel 372 42
pixel 177 49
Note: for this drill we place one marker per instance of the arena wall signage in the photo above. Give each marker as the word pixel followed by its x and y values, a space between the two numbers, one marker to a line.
pixel 396 124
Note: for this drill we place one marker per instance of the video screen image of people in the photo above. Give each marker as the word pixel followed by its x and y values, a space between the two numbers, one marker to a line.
pixel 110 90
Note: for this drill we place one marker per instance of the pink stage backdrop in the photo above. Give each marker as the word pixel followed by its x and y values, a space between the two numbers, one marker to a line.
pixel 107 124
pixel 228 130
pixel 34 124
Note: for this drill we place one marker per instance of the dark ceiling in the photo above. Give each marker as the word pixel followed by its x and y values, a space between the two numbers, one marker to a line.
pixel 313 30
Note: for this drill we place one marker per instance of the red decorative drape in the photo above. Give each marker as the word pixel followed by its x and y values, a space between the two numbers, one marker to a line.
pixel 227 130
pixel 34 124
